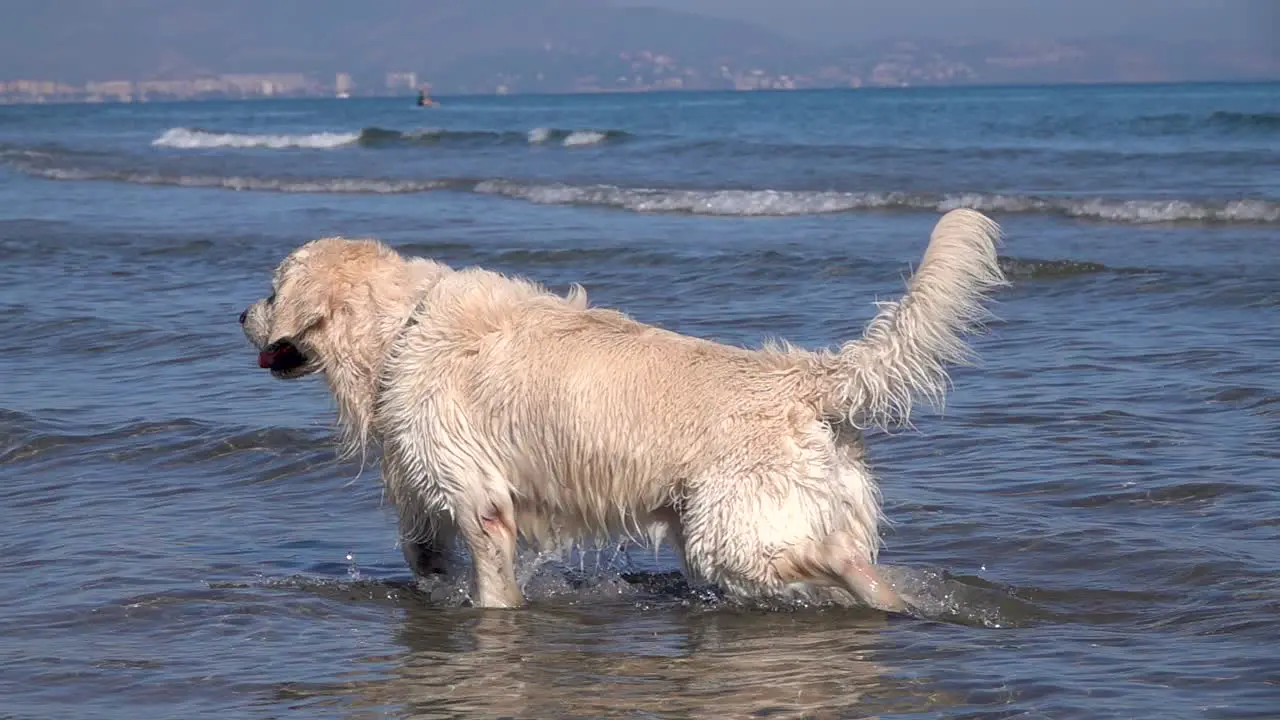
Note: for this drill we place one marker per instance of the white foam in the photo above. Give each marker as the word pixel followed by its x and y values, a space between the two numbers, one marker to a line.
pixel 62 173
pixel 1164 211
pixel 745 203
pixel 427 132
pixel 1251 211
pixel 189 139
pixel 579 138
pixel 991 203
pixel 341 186
pixel 729 203
pixel 782 203
pixel 539 135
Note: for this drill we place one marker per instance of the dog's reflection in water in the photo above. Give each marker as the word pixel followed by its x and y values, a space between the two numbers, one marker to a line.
pixel 620 659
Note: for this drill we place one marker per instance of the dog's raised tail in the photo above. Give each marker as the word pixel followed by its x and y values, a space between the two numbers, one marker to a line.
pixel 906 348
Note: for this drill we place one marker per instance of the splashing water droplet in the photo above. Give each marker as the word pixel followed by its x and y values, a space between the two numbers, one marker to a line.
pixel 353 572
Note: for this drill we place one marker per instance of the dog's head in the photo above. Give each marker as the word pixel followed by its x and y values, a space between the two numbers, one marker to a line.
pixel 329 306
pixel 335 306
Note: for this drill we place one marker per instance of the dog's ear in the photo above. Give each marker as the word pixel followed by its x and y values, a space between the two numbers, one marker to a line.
pixel 299 306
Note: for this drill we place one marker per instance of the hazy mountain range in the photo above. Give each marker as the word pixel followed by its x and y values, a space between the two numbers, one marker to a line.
pixel 548 45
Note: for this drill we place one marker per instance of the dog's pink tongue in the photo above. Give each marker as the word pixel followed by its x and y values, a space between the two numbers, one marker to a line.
pixel 265 358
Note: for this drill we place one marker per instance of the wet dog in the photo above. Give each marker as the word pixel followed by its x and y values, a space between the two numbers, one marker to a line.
pixel 505 411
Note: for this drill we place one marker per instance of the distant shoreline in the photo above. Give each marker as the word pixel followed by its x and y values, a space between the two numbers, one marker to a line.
pixel 19 101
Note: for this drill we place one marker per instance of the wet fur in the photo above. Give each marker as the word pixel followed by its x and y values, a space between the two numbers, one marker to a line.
pixel 505 411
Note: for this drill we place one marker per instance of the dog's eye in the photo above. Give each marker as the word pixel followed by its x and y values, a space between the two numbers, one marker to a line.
pixel 271 299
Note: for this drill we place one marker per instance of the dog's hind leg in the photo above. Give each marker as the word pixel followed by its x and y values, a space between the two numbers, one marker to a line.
pixel 838 561
pixel 796 530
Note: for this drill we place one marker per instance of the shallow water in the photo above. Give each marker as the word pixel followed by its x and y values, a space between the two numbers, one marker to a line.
pixel 1092 522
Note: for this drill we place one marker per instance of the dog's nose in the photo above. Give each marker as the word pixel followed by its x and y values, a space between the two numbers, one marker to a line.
pixel 244 315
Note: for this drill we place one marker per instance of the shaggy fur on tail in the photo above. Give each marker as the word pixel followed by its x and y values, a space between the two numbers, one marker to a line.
pixel 905 349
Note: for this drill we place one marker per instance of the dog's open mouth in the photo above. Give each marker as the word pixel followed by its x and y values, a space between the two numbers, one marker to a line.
pixel 282 358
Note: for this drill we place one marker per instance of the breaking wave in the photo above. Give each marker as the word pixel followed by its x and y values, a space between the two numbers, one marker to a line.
pixel 375 137
pixel 197 139
pixel 585 137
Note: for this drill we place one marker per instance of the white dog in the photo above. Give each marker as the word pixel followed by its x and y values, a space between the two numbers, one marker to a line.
pixel 504 411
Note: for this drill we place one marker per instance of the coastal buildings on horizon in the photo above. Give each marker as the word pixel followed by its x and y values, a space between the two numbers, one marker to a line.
pixel 901 64
pixel 147 50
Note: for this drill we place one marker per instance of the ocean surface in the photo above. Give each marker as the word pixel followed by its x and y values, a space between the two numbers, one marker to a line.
pixel 1095 518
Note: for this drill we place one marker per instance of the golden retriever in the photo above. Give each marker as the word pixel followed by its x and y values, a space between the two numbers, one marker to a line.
pixel 503 410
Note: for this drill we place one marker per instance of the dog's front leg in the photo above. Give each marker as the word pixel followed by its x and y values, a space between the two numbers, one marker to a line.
pixel 490 533
pixel 426 542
